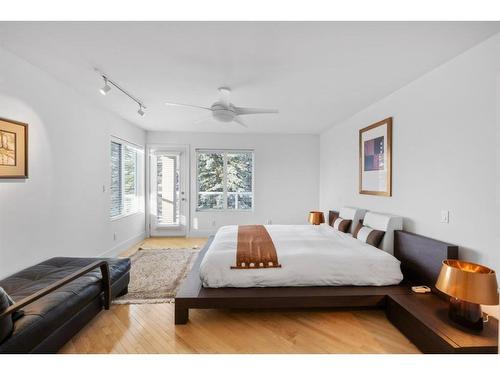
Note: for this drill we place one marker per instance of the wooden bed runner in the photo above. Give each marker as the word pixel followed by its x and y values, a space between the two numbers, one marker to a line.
pixel 255 248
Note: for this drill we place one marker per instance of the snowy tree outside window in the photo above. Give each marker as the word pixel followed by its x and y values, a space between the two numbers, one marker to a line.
pixel 224 180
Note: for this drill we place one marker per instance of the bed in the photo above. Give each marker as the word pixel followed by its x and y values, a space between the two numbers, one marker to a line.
pixel 310 255
pixel 208 286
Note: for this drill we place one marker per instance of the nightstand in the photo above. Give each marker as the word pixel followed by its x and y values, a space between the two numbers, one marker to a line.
pixel 423 318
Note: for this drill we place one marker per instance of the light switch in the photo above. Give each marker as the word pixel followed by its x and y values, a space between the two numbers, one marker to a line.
pixel 445 216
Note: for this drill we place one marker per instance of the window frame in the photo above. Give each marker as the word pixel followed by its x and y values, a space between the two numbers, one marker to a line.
pixel 224 180
pixel 138 173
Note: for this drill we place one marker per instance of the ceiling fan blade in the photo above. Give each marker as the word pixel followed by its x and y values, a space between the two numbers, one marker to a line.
pixel 186 105
pixel 253 111
pixel 240 121
pixel 225 95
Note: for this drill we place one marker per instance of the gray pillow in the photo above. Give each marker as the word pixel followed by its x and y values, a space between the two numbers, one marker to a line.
pixel 6 323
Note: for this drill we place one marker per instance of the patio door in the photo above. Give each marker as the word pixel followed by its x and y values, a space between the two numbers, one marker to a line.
pixel 169 204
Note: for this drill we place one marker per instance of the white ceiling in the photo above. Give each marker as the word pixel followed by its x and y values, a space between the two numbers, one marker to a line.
pixel 315 73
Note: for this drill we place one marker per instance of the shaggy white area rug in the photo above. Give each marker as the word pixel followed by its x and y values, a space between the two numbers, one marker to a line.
pixel 156 275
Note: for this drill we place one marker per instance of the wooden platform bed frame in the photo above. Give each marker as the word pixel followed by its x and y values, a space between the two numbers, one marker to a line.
pixel 415 315
pixel 420 258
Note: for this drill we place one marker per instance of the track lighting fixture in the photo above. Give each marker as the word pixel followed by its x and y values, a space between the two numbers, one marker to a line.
pixel 141 111
pixel 107 88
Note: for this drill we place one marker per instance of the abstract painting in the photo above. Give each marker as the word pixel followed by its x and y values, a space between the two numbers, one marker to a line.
pixel 13 149
pixel 375 158
pixel 374 154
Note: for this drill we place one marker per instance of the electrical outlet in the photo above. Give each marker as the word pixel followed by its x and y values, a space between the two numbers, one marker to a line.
pixel 114 236
pixel 445 216
pixel 269 221
pixel 213 223
pixel 103 188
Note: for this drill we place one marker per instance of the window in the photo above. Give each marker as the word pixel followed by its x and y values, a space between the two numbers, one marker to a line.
pixel 168 188
pixel 224 180
pixel 125 168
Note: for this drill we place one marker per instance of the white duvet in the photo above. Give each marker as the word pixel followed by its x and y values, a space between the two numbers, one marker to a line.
pixel 309 256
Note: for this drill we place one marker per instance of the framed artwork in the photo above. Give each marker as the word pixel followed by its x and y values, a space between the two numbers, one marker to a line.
pixel 375 158
pixel 13 149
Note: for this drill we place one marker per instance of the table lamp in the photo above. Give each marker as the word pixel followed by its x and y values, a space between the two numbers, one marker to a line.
pixel 469 285
pixel 316 217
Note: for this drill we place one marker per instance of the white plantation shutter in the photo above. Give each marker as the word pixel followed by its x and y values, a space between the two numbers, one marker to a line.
pixel 116 180
pixel 124 187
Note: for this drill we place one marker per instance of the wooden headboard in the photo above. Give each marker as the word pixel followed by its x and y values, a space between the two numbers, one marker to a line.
pixel 421 257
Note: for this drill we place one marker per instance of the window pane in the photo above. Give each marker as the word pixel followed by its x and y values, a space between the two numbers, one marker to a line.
pixel 210 180
pixel 210 201
pixel 231 200
pixel 167 169
pixel 239 201
pixel 244 201
pixel 239 180
pixel 239 172
pixel 116 182
pixel 130 180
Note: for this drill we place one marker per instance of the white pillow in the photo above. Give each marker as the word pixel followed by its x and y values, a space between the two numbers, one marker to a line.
pixel 386 223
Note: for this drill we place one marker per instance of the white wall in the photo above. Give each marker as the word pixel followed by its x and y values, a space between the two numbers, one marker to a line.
pixel 445 154
pixel 286 176
pixel 61 209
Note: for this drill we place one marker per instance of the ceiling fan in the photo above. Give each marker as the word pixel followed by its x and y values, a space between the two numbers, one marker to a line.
pixel 225 111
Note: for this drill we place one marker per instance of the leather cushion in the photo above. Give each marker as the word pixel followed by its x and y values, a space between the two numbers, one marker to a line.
pixel 6 323
pixel 16 314
pixel 51 311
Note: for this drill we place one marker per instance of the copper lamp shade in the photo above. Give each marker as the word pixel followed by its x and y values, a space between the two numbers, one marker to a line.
pixel 468 282
pixel 316 217
pixel 469 285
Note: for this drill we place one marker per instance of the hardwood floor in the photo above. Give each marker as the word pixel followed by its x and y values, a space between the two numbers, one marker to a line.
pixel 150 328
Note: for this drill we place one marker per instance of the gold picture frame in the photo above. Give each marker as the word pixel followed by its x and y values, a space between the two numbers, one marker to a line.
pixel 375 159
pixel 13 149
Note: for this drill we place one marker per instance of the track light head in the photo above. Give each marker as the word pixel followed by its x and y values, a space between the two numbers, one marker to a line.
pixel 141 109
pixel 106 88
pixel 108 84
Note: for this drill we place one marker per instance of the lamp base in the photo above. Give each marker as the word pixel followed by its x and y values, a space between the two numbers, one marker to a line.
pixel 466 314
